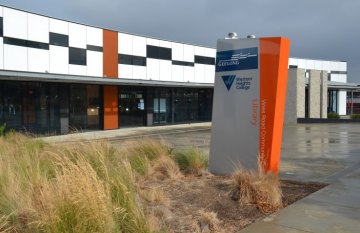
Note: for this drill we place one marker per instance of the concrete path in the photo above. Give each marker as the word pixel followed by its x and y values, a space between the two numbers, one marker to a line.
pixel 327 153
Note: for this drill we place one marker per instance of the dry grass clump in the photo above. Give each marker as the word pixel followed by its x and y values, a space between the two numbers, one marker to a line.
pixel 155 195
pixel 192 161
pixel 142 154
pixel 165 168
pixel 87 187
pixel 259 188
pixel 207 222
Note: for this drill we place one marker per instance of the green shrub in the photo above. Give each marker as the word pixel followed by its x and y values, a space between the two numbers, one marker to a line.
pixel 355 116
pixel 333 115
pixel 2 129
pixel 191 161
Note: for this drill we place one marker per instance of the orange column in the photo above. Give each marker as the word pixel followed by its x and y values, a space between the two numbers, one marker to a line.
pixel 110 54
pixel 274 55
pixel 111 119
pixel 110 70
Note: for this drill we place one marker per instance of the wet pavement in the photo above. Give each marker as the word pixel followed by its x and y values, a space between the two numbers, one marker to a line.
pixel 327 153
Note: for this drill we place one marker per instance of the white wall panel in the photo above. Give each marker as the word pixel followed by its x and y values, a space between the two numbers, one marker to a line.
pixel 209 52
pixel 326 66
pixel 15 58
pixel 94 36
pixel 342 66
pixel 139 72
pixel 199 70
pixel 342 103
pixel 139 46
pixel 318 65
pixel 59 26
pixel 310 64
pixel 77 36
pixel 177 51
pixel 94 63
pixel 165 44
pixel 38 28
pixel 165 70
pixel 301 64
pixel 200 51
pixel 338 78
pixel 1 52
pixel 177 73
pixel 1 11
pixel 125 43
pixel 152 69
pixel 150 41
pixel 188 53
pixel 15 23
pixel 77 70
pixel 188 74
pixel 125 71
pixel 59 60
pixel 292 62
pixel 38 60
pixel 334 66
pixel 209 74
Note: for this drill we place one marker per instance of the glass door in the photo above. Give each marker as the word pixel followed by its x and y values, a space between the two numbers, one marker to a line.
pixel 131 106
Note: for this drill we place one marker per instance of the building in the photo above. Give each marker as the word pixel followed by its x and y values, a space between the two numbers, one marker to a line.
pixel 57 76
pixel 315 88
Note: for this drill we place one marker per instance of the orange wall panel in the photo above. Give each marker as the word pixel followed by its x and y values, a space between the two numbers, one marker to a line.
pixel 273 72
pixel 111 117
pixel 110 54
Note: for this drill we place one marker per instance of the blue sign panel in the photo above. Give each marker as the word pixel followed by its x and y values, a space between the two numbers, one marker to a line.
pixel 240 59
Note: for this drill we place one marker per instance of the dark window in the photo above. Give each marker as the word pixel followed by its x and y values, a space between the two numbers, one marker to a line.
pixel 37 45
pixel 94 48
pixel 139 61
pixel 77 56
pixel 25 43
pixel 338 72
pixel 59 39
pixel 205 60
pixel 293 66
pixel 158 52
pixel 132 60
pixel 1 27
pixel 182 63
pixel 125 59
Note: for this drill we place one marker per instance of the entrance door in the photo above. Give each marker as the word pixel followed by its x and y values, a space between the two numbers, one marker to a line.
pixel 131 106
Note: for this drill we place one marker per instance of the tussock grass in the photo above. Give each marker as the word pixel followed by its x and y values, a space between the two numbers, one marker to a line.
pixel 259 188
pixel 207 222
pixel 191 161
pixel 142 154
pixel 87 187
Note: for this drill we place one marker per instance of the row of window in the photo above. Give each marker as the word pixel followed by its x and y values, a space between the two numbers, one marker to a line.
pixel 77 56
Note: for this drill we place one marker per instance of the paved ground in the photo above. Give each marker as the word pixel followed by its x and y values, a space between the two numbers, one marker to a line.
pixel 310 152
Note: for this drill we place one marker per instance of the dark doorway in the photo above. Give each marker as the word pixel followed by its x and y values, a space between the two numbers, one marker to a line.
pixel 131 106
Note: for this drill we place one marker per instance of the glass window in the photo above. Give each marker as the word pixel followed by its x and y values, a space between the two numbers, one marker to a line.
pixel 125 59
pixel 131 106
pixel 94 48
pixel 139 61
pixel 1 26
pixel 59 39
pixel 204 60
pixel 158 52
pixel 25 43
pixel 182 63
pixel 77 56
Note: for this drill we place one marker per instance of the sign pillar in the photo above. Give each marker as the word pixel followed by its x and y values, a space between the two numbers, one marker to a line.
pixel 249 102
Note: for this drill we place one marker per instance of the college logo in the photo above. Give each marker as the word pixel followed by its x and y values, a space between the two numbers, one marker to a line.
pixel 228 80
pixel 240 59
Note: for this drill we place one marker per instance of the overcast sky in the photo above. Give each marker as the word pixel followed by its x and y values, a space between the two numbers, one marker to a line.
pixel 318 29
